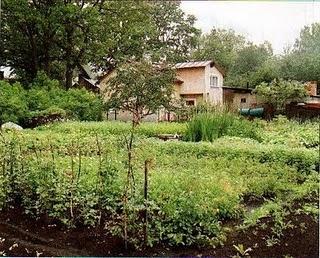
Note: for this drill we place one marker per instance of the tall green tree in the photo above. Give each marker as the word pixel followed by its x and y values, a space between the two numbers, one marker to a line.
pixel 302 62
pixel 58 35
pixel 174 32
pixel 252 61
pixel 220 45
pixel 49 35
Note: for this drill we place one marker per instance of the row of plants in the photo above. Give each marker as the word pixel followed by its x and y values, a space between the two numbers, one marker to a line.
pixel 46 101
pixel 208 126
pixel 193 188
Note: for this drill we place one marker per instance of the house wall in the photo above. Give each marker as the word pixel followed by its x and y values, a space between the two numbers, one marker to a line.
pixel 313 99
pixel 198 98
pixel 232 97
pixel 193 80
pixel 196 80
pixel 214 95
pixel 103 83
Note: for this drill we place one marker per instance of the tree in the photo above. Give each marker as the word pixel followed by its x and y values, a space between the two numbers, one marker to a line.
pixel 278 93
pixel 174 35
pixel 252 61
pixel 48 35
pixel 220 45
pixel 302 62
pixel 58 35
pixel 140 88
pixel 126 28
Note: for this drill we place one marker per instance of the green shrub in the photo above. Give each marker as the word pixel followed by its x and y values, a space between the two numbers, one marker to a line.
pixel 13 105
pixel 19 105
pixel 81 104
pixel 52 114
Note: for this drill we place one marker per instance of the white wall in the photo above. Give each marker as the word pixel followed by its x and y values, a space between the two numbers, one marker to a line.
pixel 215 95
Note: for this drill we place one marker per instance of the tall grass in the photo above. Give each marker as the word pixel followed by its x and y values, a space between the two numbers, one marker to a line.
pixel 208 126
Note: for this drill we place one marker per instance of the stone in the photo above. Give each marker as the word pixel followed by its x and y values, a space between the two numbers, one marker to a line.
pixel 11 126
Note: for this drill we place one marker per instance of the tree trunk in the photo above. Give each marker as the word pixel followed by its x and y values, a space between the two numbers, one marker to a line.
pixel 69 75
pixel 136 118
pixel 69 61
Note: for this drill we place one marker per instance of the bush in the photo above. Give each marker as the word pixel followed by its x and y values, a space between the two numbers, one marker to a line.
pixel 47 101
pixel 81 104
pixel 210 126
pixel 49 115
pixel 281 92
pixel 78 103
pixel 13 105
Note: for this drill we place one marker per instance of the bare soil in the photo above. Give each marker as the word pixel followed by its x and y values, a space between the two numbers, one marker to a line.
pixel 21 235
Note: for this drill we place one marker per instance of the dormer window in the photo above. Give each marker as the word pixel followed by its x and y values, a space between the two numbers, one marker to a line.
pixel 213 81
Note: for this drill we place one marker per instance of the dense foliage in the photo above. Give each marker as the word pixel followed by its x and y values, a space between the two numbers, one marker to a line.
pixel 248 64
pixel 45 98
pixel 301 62
pixel 76 173
pixel 278 93
pixel 210 126
pixel 58 36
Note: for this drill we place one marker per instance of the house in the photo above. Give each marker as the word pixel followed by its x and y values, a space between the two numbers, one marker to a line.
pixel 202 82
pixel 196 83
pixel 199 82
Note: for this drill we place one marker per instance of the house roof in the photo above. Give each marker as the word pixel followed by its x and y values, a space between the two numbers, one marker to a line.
pixel 237 89
pixel 194 64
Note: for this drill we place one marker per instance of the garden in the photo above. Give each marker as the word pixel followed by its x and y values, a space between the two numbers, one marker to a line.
pixel 229 187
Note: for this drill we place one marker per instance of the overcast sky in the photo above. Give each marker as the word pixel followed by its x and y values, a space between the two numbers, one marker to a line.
pixel 279 22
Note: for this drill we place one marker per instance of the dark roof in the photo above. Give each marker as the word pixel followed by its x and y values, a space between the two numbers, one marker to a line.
pixel 247 90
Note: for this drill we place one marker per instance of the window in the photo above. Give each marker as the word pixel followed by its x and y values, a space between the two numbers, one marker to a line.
pixel 243 100
pixel 190 102
pixel 213 81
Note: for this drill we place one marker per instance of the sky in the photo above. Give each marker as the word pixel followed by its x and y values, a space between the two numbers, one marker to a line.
pixel 278 22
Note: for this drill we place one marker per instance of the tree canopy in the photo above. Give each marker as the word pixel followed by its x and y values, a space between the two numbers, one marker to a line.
pixel 281 92
pixel 56 36
pixel 302 61
pixel 220 45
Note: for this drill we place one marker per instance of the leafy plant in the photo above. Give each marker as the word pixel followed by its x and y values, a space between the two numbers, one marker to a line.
pixel 241 250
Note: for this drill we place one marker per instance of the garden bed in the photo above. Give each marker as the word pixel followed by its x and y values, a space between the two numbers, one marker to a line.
pixel 71 193
pixel 24 236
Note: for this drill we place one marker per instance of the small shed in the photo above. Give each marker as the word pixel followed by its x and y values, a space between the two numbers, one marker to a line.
pixel 239 97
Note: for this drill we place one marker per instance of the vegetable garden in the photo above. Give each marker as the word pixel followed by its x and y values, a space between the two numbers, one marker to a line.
pixel 160 197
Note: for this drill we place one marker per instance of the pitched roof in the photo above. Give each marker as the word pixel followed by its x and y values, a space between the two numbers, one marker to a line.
pixel 193 64
pixel 200 64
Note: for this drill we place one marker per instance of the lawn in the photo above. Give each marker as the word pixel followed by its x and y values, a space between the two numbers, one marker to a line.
pixel 200 194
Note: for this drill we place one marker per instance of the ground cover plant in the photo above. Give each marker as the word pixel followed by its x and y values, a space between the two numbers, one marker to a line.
pixel 76 174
